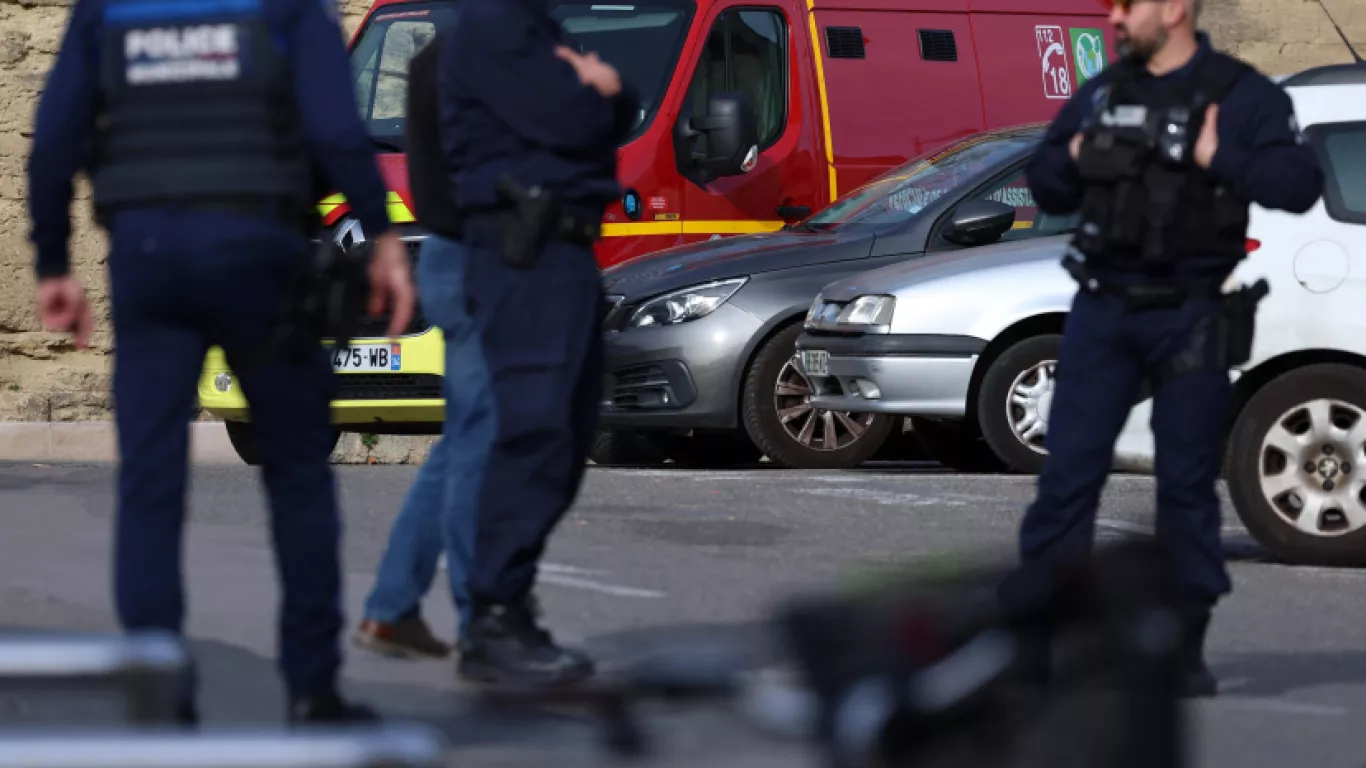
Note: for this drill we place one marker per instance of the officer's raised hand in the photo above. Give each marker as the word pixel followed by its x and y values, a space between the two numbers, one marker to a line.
pixel 391 282
pixel 62 306
pixel 592 71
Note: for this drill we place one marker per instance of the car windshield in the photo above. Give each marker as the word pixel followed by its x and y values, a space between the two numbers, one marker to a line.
pixel 641 40
pixel 902 192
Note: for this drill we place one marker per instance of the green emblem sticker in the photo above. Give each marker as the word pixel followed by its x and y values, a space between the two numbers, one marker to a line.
pixel 1088 50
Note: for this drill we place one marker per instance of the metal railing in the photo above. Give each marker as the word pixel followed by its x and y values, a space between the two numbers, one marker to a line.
pixel 144 669
pixel 380 747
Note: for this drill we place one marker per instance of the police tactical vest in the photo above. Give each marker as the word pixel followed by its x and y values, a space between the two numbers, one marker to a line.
pixel 429 178
pixel 1146 202
pixel 197 104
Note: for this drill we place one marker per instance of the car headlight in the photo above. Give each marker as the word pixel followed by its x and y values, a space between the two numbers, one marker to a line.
pixel 684 305
pixel 868 310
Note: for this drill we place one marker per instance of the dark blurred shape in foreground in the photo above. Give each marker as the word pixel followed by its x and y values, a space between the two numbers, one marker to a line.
pixel 941 669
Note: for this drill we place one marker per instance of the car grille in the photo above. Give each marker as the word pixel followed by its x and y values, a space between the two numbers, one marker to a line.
pixel 389 386
pixel 376 327
pixel 643 386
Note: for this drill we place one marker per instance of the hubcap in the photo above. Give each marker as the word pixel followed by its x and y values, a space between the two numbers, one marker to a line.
pixel 1310 464
pixel 815 428
pixel 1031 397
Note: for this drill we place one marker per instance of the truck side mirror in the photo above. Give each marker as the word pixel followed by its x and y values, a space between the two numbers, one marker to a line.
pixel 724 142
pixel 979 222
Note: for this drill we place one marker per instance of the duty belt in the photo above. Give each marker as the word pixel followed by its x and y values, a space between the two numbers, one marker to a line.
pixel 1142 296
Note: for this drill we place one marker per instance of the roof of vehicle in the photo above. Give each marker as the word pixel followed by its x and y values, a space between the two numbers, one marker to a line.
pixel 1333 74
pixel 1330 94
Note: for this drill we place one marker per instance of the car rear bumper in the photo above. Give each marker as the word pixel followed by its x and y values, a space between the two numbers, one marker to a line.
pixel 676 377
pixel 378 400
pixel 912 375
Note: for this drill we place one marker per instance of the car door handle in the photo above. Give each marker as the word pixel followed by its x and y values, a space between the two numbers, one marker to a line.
pixel 794 211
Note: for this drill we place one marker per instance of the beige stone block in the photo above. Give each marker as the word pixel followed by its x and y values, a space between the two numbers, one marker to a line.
pixel 93 441
pixel 24 441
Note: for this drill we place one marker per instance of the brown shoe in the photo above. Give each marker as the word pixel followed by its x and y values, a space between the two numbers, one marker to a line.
pixel 408 638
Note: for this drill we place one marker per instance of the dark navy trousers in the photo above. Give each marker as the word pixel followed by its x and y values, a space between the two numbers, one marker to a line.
pixel 181 281
pixel 543 344
pixel 1107 350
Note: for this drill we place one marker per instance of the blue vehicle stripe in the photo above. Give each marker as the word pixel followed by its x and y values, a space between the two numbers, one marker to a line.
pixel 140 10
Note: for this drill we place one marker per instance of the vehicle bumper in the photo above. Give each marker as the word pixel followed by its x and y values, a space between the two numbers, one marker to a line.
pixel 676 377
pixel 406 400
pixel 910 374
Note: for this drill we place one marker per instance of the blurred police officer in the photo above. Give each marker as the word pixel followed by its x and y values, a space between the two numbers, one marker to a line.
pixel 1161 155
pixel 531 129
pixel 198 122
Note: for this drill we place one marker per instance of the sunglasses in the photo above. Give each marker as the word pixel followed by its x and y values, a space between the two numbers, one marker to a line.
pixel 1128 5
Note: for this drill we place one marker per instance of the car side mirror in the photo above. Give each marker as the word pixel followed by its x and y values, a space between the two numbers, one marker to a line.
pixel 979 222
pixel 724 142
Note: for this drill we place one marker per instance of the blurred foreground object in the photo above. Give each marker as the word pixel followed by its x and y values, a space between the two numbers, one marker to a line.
pixel 358 747
pixel 929 669
pixel 146 669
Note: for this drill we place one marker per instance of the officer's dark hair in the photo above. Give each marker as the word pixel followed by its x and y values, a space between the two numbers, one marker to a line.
pixel 429 177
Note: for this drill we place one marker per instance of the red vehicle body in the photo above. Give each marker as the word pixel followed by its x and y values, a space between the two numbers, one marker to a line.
pixel 845 90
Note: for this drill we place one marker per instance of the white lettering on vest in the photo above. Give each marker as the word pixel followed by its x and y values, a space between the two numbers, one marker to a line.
pixel 161 55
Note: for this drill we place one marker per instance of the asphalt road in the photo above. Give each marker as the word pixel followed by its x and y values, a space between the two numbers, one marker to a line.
pixel 650 554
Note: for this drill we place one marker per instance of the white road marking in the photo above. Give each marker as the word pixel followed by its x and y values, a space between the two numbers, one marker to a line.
pixel 1124 525
pixel 557 568
pixel 596 586
pixel 888 498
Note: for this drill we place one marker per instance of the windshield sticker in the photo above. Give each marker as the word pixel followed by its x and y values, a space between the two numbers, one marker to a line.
pixel 1053 60
pixel 913 199
pixel 1015 197
pixel 404 15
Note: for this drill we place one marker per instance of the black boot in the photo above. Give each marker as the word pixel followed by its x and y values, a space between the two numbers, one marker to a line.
pixel 328 707
pixel 505 645
pixel 1195 679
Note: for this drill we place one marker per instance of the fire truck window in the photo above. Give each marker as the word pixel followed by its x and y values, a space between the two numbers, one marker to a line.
pixel 1030 222
pixel 402 41
pixel 746 51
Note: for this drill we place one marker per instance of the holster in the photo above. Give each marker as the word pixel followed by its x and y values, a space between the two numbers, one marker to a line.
pixel 527 225
pixel 1220 340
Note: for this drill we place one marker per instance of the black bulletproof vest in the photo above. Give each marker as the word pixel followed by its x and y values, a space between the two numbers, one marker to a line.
pixel 429 179
pixel 197 104
pixel 1146 203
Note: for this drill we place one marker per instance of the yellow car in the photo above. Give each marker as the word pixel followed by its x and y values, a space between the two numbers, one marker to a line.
pixel 386 386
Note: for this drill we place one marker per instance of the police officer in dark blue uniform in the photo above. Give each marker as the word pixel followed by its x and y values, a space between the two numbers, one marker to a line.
pixel 1161 155
pixel 199 123
pixel 531 128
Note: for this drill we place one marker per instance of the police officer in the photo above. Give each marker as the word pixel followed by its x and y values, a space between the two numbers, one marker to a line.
pixel 531 129
pixel 1161 155
pixel 198 123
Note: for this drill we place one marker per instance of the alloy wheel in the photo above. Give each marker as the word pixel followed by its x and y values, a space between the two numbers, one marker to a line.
pixel 1311 467
pixel 1031 397
pixel 814 428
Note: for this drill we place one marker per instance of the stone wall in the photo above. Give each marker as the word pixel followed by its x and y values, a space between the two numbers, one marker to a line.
pixel 42 378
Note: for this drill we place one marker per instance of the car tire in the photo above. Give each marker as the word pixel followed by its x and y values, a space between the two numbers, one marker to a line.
pixel 955 445
pixel 1013 402
pixel 625 448
pixel 776 363
pixel 1267 505
pixel 242 435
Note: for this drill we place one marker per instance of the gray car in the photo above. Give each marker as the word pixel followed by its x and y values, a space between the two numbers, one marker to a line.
pixel 700 340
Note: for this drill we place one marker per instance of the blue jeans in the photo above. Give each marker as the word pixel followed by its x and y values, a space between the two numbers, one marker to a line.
pixel 439 512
